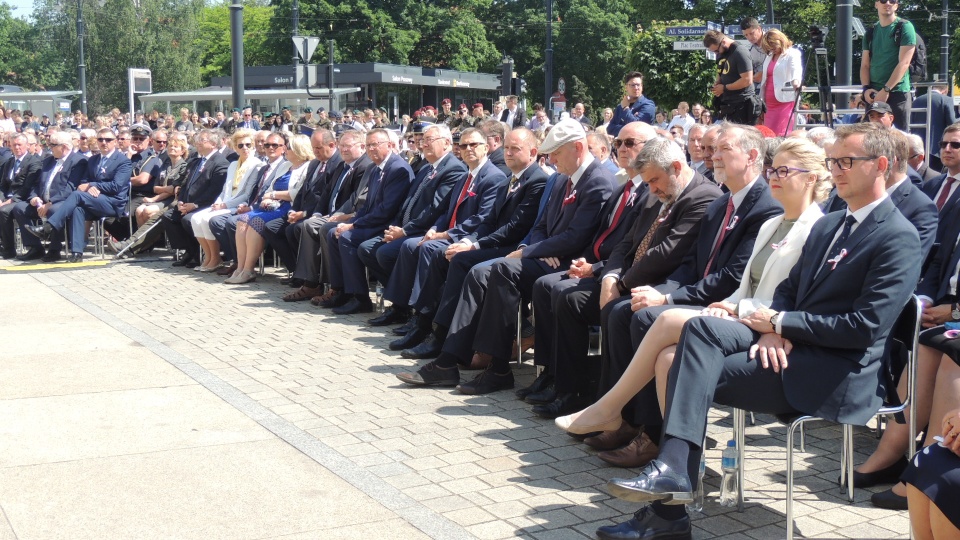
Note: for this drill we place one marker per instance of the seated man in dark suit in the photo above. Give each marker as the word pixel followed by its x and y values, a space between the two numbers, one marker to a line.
pixel 389 181
pixel 710 272
pixel 667 225
pixel 942 189
pixel 103 192
pixel 204 183
pixel 444 262
pixel 817 350
pixel 338 202
pixel 440 178
pixel 17 179
pixel 60 174
pixel 442 184
pixel 493 292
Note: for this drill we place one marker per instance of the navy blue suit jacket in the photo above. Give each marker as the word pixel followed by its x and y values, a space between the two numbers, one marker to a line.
pixel 112 177
pixel 942 115
pixel 687 285
pixel 513 213
pixel 435 197
pixel 384 197
pixel 205 188
pixel 838 319
pixel 18 187
pixel 936 278
pixel 566 227
pixel 66 181
pixel 641 110
pixel 310 194
pixel 630 213
pixel 919 210
pixel 474 208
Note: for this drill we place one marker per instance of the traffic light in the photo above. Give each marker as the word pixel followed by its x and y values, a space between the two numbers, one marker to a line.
pixel 506 76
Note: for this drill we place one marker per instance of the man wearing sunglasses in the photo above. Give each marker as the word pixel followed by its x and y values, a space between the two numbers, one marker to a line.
pixel 102 193
pixel 146 167
pixel 888 48
pixel 943 189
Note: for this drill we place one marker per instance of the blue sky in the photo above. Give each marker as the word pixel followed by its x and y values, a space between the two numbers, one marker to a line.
pixel 20 8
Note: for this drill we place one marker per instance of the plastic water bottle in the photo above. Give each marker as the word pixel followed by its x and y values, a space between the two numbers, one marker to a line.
pixel 379 297
pixel 697 504
pixel 729 488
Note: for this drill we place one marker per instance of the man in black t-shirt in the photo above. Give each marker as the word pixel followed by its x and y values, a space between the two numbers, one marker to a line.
pixel 735 99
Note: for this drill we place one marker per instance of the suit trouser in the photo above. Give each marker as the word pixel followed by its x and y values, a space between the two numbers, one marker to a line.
pixel 179 232
pixel 712 365
pixel 224 229
pixel 411 269
pixel 346 270
pixel 7 224
pixel 565 309
pixel 24 213
pixel 900 103
pixel 623 330
pixel 79 208
pixel 380 257
pixel 282 237
pixel 311 260
pixel 486 316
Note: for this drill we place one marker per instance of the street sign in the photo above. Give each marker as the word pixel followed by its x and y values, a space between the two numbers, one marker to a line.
pixel 686 31
pixel 561 86
pixel 305 45
pixel 689 46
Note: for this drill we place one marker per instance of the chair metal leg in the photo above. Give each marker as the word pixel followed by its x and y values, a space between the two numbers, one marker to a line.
pixel 739 435
pixel 753 419
pixel 519 346
pixel 847 466
pixel 260 264
pixel 790 432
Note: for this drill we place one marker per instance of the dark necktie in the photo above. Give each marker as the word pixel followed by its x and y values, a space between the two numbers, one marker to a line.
pixel 463 195
pixel 264 173
pixel 945 193
pixel 648 238
pixel 624 198
pixel 837 252
pixel 197 171
pixel 416 195
pixel 512 187
pixel 725 226
pixel 15 169
pixel 336 188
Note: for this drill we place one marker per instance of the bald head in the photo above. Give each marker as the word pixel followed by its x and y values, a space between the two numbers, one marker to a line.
pixel 630 141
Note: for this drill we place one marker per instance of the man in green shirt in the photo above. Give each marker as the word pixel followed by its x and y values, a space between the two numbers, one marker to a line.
pixel 885 67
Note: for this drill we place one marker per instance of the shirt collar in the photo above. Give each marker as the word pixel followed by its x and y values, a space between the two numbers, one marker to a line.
pixel 862 213
pixel 739 196
pixel 476 171
pixel 896 184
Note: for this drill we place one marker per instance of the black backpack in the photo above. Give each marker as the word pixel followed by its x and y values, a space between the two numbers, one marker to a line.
pixel 918 64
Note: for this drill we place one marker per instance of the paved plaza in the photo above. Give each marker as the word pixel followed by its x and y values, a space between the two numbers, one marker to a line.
pixel 143 401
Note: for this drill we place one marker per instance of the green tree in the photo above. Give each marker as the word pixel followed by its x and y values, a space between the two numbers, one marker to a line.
pixel 670 76
pixel 214 34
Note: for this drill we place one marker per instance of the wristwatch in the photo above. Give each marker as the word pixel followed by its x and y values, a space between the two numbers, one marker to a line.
pixel 955 312
pixel 887 89
pixel 775 318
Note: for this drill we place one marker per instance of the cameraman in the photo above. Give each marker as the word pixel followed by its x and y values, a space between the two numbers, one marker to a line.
pixel 734 87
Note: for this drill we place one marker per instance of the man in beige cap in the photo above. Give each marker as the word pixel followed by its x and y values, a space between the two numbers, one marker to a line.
pixel 485 319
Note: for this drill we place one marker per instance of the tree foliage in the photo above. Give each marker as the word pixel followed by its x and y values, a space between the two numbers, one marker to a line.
pixel 670 76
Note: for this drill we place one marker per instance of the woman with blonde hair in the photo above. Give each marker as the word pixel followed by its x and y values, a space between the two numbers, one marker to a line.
pixel 798 180
pixel 782 75
pixel 274 204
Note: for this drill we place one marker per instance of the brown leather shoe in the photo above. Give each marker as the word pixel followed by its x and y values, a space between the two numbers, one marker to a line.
pixel 227 270
pixel 526 343
pixel 479 361
pixel 611 440
pixel 636 454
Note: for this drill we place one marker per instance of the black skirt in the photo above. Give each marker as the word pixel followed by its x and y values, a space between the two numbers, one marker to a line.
pixel 934 338
pixel 935 471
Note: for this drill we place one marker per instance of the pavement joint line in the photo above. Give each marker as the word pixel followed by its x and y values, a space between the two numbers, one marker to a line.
pixel 6 521
pixel 412 511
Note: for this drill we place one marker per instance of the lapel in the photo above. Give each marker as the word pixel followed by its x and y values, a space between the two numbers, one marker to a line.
pixel 743 210
pixel 864 229
pixel 102 166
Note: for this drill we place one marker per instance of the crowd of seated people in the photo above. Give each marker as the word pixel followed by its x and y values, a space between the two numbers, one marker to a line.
pixel 718 265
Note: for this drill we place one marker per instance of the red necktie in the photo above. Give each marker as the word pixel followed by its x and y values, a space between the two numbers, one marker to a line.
pixel 463 195
pixel 723 233
pixel 945 193
pixel 627 193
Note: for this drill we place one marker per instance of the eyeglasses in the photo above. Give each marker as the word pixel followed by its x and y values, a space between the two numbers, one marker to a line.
pixel 629 143
pixel 952 144
pixel 106 139
pixel 245 145
pixel 470 145
pixel 159 142
pixel 378 143
pixel 782 171
pixel 430 140
pixel 271 145
pixel 845 163
pixel 888 1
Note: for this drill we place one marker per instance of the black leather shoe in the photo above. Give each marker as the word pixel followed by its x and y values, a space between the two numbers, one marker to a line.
pixel 414 338
pixel 391 315
pixel 32 254
pixel 889 475
pixel 292 282
pixel 657 482
pixel 407 327
pixel 43 231
pixel 430 348
pixel 889 500
pixel 646 525
pixel 564 404
pixel 543 380
pixel 431 375
pixel 52 256
pixel 185 262
pixel 486 382
pixel 75 258
pixel 547 395
pixel 338 299
pixel 354 305
pixel 7 255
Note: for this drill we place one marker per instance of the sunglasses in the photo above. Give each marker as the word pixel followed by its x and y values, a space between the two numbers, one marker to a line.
pixel 629 143
pixel 470 146
pixel 271 146
pixel 245 145
pixel 138 139
pixel 159 142
pixel 105 139
pixel 952 144
pixel 889 1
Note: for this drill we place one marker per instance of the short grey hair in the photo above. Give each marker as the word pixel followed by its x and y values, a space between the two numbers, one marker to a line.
pixel 916 144
pixel 750 139
pixel 442 131
pixel 61 137
pixel 660 152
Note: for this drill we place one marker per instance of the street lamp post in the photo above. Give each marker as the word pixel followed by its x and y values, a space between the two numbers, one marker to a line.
pixel 548 58
pixel 81 66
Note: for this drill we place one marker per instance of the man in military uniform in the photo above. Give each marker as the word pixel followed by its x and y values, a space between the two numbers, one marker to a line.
pixel 322 120
pixel 446 116
pixel 457 124
pixel 306 119
pixel 230 124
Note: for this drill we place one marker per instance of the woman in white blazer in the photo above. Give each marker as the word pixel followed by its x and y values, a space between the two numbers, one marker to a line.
pixel 782 75
pixel 798 180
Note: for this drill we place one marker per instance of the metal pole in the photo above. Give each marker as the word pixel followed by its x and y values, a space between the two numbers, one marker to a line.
pixel 81 67
pixel 333 98
pixel 843 75
pixel 296 31
pixel 770 12
pixel 945 47
pixel 548 58
pixel 236 58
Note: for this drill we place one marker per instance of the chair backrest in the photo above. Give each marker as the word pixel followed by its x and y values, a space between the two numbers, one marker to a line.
pixel 900 355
